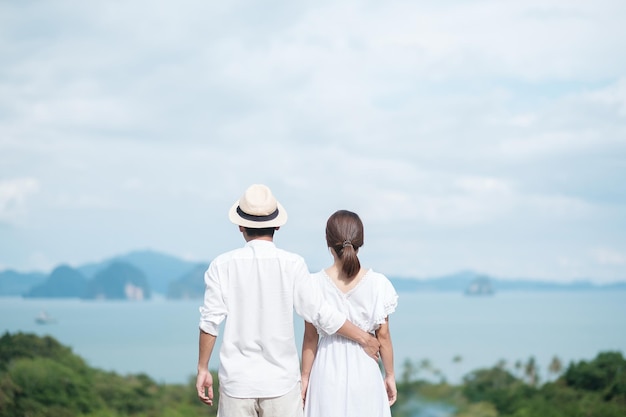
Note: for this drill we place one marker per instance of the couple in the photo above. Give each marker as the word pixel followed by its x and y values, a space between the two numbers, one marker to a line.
pixel 258 287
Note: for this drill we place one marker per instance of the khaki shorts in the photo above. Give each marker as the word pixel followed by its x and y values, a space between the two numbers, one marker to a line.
pixel 288 405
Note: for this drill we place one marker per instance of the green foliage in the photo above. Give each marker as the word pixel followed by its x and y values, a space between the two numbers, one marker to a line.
pixel 127 395
pixel 41 378
pixel 21 345
pixel 479 409
pixel 587 389
pixel 43 382
pixel 606 374
pixel 496 386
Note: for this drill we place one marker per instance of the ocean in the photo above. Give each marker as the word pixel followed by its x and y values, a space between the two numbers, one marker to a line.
pixel 160 337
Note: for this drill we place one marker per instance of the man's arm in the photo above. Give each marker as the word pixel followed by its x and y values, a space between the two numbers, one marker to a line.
pixel 369 343
pixel 204 381
pixel 309 304
pixel 309 350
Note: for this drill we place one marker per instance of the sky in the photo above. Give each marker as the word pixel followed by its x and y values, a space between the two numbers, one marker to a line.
pixel 483 136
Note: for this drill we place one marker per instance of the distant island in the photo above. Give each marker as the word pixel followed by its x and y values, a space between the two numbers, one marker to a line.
pixel 139 275
pixel 471 283
pixel 481 285
pixel 116 281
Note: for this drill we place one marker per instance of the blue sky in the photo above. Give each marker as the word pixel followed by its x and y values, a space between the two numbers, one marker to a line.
pixel 469 135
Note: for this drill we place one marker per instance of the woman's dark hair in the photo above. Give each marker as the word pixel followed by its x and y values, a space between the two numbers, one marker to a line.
pixel 264 231
pixel 344 233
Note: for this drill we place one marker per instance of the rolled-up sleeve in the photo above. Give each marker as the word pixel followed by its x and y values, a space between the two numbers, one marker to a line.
pixel 311 306
pixel 213 311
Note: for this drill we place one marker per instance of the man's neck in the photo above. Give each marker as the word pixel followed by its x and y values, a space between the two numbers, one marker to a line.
pixel 251 238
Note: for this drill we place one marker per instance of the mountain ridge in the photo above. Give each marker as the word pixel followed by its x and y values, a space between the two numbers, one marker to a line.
pixel 461 280
pixel 174 277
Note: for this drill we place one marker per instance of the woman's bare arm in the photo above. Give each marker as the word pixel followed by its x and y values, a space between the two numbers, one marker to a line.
pixel 386 355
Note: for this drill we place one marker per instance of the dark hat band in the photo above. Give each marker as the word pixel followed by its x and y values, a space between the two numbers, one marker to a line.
pixel 254 218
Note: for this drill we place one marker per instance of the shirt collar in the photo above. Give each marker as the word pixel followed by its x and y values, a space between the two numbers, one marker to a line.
pixel 260 242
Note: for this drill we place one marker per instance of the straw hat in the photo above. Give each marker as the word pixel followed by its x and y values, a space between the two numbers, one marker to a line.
pixel 257 208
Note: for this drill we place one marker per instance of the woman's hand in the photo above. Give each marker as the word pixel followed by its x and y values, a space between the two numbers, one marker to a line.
pixel 390 386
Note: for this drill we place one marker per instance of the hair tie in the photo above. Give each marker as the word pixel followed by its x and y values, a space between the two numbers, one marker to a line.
pixel 347 243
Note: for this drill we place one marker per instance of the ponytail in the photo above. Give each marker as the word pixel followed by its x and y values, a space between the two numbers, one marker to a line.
pixel 344 233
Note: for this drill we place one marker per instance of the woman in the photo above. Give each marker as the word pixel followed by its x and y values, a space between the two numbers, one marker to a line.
pixel 338 378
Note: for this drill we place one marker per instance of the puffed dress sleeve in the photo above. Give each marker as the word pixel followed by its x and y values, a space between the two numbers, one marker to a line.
pixel 387 300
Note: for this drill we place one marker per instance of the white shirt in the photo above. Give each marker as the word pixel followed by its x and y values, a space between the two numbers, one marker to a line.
pixel 258 287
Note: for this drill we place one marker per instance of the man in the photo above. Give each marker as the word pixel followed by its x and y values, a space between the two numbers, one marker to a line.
pixel 257 288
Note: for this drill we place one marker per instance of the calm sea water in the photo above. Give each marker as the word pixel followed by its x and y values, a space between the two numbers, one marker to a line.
pixel 160 337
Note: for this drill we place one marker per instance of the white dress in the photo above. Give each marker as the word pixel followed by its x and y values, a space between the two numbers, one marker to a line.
pixel 344 380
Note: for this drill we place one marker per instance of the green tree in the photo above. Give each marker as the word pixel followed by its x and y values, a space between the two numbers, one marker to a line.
pixel 408 371
pixel 23 345
pixel 457 360
pixel 426 365
pixel 41 378
pixel 494 385
pixel 479 409
pixel 518 368
pixel 605 374
pixel 555 367
pixel 41 383
pixel 531 371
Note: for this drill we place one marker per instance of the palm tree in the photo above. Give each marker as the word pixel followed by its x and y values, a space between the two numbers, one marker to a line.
pixel 518 368
pixel 530 369
pixel 408 371
pixel 556 366
pixel 457 359
pixel 426 364
pixel 438 374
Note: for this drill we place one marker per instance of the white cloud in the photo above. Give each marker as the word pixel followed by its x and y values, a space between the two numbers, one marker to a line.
pixel 614 95
pixel 609 257
pixel 13 196
pixel 442 123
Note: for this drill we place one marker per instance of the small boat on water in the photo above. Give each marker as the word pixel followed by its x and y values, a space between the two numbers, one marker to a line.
pixel 44 318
